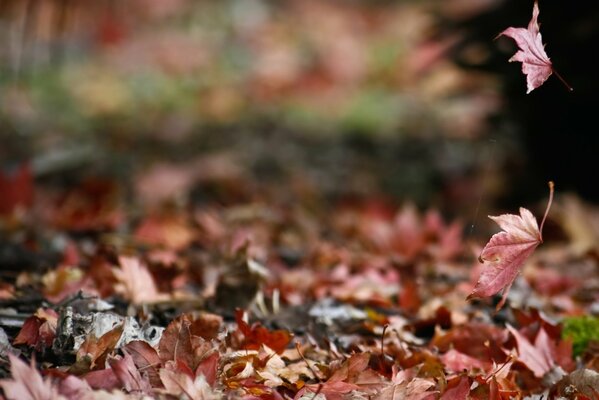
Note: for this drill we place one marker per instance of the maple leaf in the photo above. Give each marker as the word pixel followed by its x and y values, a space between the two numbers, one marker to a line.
pixel 179 344
pixel 457 391
pixel 39 330
pixel 179 384
pixel 146 359
pixel 537 357
pixel 507 251
pixel 135 281
pixel 127 373
pixel 256 335
pixel 536 65
pixel 27 383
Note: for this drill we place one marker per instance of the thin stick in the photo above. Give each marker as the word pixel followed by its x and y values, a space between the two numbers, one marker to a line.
pixel 570 88
pixel 297 347
pixel 383 340
pixel 551 190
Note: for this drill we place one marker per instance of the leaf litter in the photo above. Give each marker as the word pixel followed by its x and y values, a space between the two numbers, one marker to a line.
pixel 259 301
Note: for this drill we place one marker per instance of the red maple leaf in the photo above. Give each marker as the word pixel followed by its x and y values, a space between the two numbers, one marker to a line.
pixel 536 65
pixel 256 335
pixel 506 251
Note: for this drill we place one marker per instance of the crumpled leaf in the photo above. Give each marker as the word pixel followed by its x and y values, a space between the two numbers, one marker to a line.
pixel 179 344
pixel 94 351
pixel 39 330
pixel 535 63
pixel 127 373
pixel 146 359
pixel 256 335
pixel 507 251
pixel 27 383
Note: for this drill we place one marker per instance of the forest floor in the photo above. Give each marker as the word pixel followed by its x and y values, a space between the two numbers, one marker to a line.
pixel 227 292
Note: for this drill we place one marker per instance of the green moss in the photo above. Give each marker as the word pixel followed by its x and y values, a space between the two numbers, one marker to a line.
pixel 581 330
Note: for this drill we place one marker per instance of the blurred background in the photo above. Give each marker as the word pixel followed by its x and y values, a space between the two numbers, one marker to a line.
pixel 302 100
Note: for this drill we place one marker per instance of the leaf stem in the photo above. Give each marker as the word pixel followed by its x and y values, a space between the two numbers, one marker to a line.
pixel 570 88
pixel 551 190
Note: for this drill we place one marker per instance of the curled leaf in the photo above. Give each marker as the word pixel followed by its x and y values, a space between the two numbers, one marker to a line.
pixel 536 65
pixel 507 251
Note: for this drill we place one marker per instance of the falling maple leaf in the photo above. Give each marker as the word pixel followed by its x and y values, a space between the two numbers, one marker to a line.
pixel 536 65
pixel 506 251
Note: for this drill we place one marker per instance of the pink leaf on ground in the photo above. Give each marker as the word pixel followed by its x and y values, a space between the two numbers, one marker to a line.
pixel 507 251
pixel 127 373
pixel 537 356
pixel 458 392
pixel 135 281
pixel 455 361
pixel 536 65
pixel 27 383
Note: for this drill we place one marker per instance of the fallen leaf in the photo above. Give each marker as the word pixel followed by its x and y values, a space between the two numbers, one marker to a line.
pixel 102 379
pixel 416 389
pixel 536 357
pixel 256 335
pixel 146 359
pixel 455 361
pixel 39 330
pixel 127 373
pixel 135 281
pixel 74 388
pixel 180 345
pixel 507 251
pixel 179 384
pixel 457 391
pixel 94 351
pixel 27 383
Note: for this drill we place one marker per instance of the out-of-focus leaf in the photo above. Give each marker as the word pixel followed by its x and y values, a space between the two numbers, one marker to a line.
pixel 39 330
pixel 256 335
pixel 27 383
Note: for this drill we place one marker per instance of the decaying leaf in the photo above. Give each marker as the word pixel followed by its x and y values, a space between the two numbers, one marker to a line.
pixel 535 63
pixel 507 251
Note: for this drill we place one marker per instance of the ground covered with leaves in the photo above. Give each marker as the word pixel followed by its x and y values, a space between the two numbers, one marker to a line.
pixel 243 296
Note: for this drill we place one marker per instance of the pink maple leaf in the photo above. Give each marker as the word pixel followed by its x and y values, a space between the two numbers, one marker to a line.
pixel 536 65
pixel 27 383
pixel 537 357
pixel 507 251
